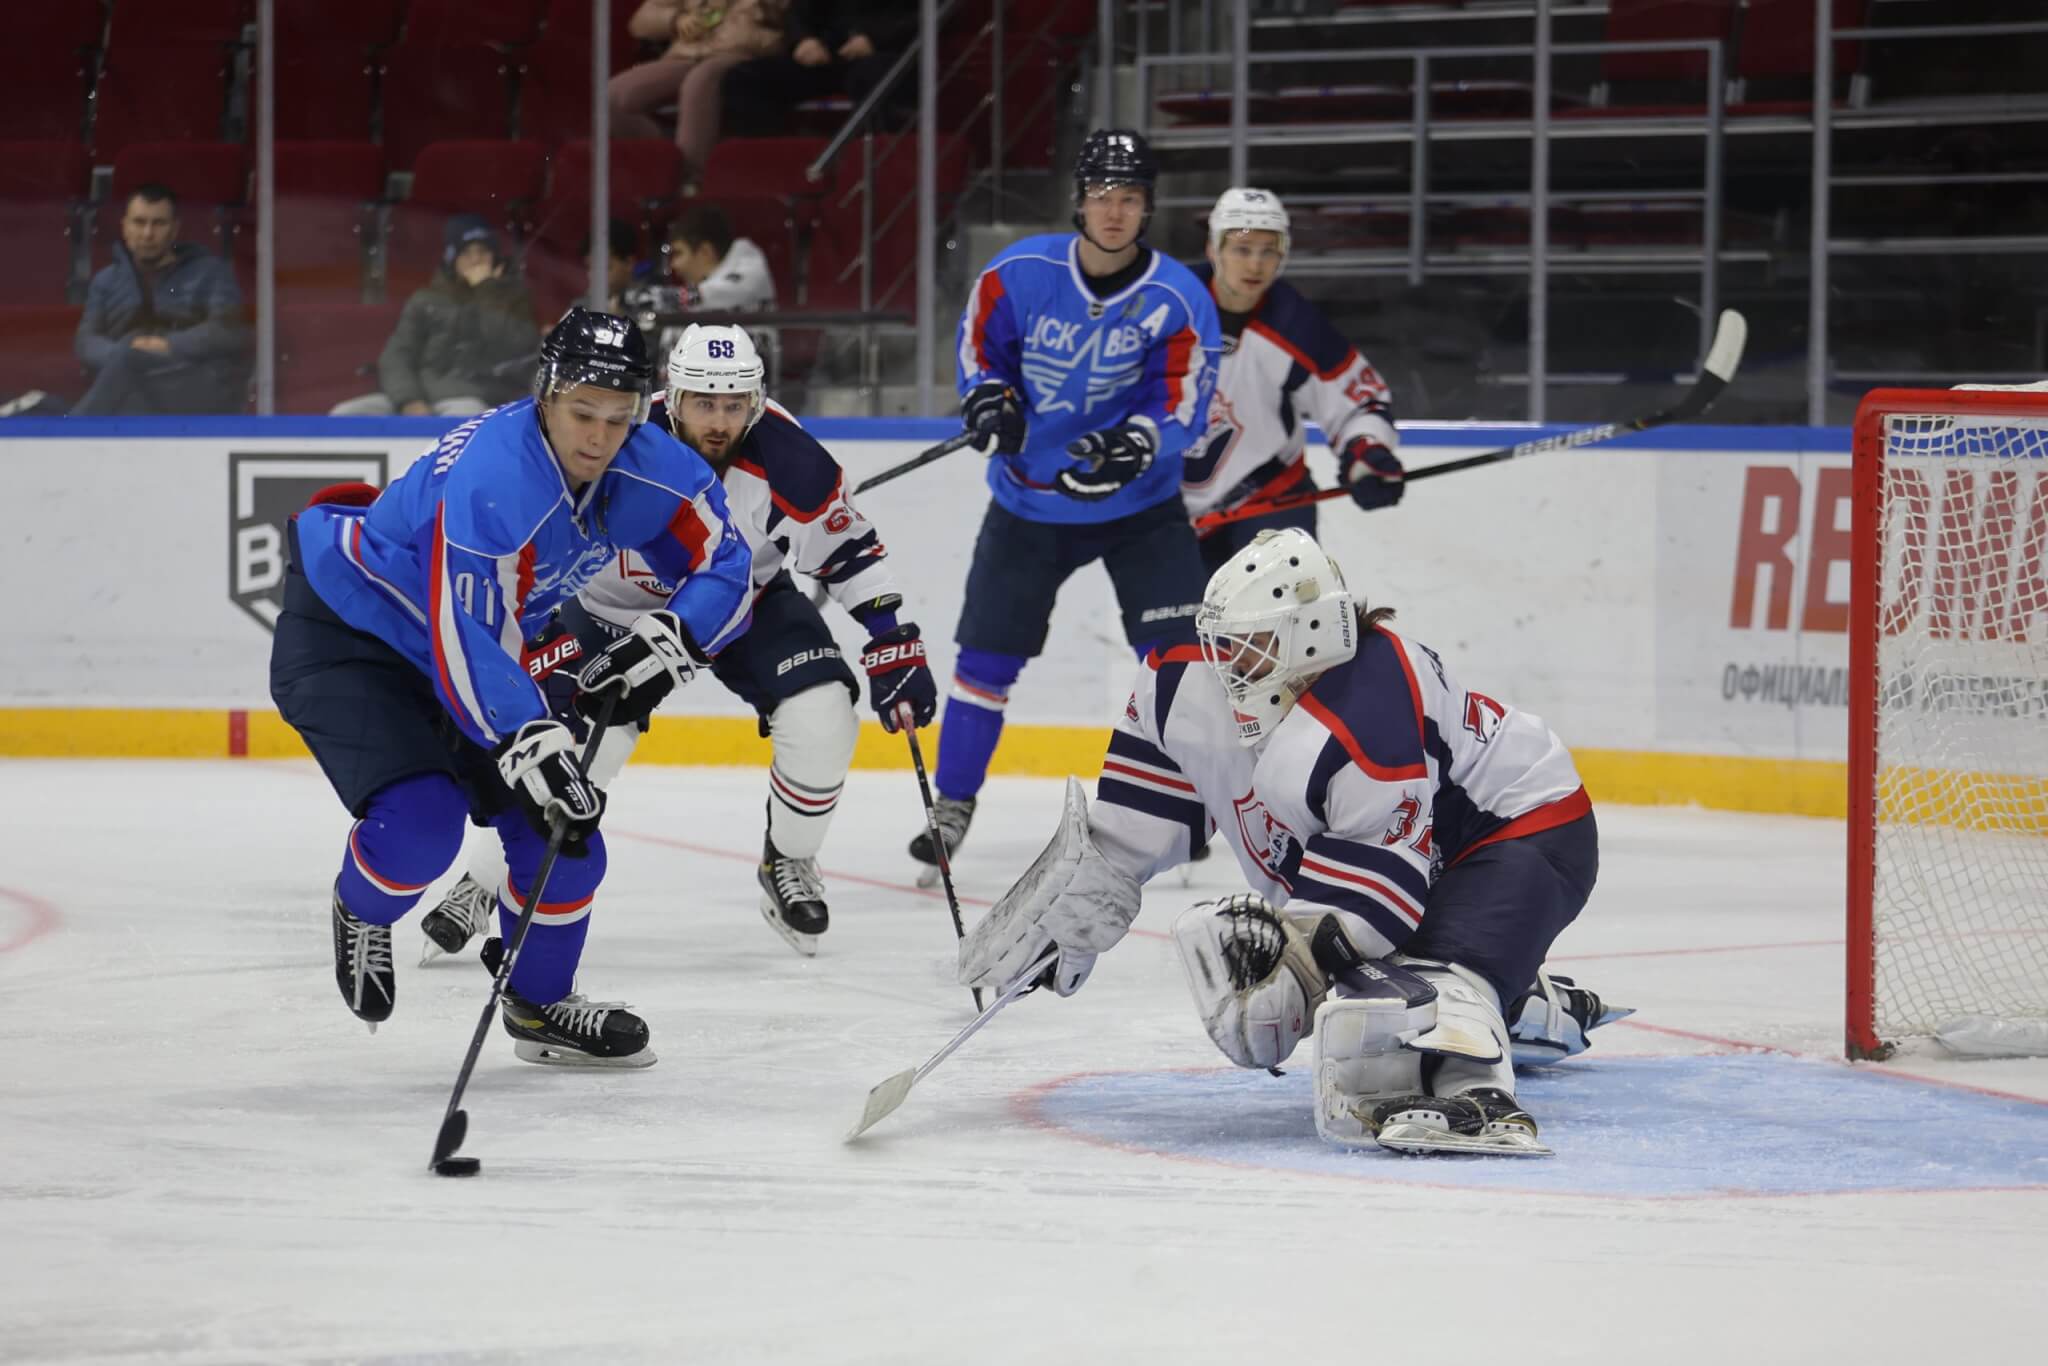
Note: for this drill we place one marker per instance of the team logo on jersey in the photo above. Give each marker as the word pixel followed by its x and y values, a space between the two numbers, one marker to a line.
pixel 1268 841
pixel 1483 715
pixel 264 491
pixel 1111 359
pixel 634 570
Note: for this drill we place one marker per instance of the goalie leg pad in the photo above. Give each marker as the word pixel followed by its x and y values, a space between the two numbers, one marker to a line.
pixel 1469 1046
pixel 1253 975
pixel 1362 1058
pixel 1070 897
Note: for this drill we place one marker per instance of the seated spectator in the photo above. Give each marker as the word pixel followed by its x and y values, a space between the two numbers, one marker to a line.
pixel 465 342
pixel 163 330
pixel 622 265
pixel 710 270
pixel 834 47
pixel 706 39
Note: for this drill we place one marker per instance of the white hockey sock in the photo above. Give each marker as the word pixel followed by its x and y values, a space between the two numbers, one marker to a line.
pixel 813 734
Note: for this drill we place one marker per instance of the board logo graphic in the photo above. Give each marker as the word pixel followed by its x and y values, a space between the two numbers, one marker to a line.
pixel 264 491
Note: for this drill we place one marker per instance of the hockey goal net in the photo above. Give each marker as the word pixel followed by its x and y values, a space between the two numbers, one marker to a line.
pixel 1948 728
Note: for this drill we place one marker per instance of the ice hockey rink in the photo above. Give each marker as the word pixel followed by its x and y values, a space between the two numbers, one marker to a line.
pixel 208 1160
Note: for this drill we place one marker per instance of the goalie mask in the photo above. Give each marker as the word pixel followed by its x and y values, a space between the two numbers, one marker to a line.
pixel 715 359
pixel 1241 209
pixel 1272 618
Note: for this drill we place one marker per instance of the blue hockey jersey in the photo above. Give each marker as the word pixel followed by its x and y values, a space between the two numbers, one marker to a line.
pixel 467 553
pixel 1082 364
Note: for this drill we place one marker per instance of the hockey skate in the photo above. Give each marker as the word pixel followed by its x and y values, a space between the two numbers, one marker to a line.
pixel 792 898
pixel 952 817
pixel 462 915
pixel 1485 1121
pixel 362 966
pixel 573 1032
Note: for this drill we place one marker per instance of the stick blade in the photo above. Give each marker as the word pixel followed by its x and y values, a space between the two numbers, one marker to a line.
pixel 1731 336
pixel 882 1102
pixel 454 1129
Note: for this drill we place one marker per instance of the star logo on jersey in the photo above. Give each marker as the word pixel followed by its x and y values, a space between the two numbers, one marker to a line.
pixel 264 492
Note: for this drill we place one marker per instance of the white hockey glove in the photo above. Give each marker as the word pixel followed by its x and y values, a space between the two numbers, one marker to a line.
pixel 1254 979
pixel 644 665
pixel 1071 898
pixel 540 765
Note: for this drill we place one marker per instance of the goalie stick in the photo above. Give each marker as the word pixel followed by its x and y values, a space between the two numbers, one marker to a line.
pixel 455 1123
pixel 1724 356
pixel 886 1095
pixel 905 719
pixel 943 449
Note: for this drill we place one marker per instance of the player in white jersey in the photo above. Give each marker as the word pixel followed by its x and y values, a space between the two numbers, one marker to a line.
pixel 786 495
pixel 1412 847
pixel 1283 367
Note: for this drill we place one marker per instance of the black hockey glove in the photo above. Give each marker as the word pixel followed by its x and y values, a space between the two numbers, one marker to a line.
pixel 540 765
pixel 991 411
pixel 1373 474
pixel 1111 459
pixel 644 665
pixel 898 676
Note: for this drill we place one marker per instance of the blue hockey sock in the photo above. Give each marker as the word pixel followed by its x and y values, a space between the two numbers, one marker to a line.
pixel 408 835
pixel 974 720
pixel 546 971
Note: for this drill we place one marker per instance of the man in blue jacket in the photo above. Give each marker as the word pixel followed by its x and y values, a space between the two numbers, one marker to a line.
pixel 163 330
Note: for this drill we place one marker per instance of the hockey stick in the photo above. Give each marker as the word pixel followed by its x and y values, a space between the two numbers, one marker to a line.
pixel 885 1096
pixel 943 449
pixel 455 1123
pixel 931 825
pixel 1723 358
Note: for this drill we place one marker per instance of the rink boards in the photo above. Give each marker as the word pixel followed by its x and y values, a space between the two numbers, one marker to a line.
pixel 1674 605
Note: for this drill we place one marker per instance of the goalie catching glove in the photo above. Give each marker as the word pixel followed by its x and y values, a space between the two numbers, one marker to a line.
pixel 644 666
pixel 1070 898
pixel 539 764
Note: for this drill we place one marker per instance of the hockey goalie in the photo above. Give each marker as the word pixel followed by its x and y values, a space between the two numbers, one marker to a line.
pixel 1412 849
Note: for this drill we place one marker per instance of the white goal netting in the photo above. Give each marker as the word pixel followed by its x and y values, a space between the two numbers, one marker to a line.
pixel 1958 915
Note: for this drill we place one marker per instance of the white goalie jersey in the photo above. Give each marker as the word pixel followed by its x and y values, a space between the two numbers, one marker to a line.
pixel 786 494
pixel 1386 772
pixel 1286 368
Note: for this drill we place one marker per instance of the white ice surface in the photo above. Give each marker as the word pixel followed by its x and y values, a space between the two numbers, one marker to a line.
pixel 205 1159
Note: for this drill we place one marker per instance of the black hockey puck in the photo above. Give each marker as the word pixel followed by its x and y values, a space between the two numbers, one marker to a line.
pixel 458 1166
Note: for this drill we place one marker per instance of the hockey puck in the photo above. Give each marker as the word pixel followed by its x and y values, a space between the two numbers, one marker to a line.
pixel 458 1166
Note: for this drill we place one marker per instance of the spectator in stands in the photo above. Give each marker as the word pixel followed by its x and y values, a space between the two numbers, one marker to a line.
pixel 465 342
pixel 835 47
pixel 163 330
pixel 706 39
pixel 710 270
pixel 623 269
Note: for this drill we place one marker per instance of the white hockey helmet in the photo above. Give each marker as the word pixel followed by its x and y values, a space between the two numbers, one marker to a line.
pixel 1242 209
pixel 1272 618
pixel 714 358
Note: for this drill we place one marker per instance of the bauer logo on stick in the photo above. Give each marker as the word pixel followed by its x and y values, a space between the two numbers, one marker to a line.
pixel 263 493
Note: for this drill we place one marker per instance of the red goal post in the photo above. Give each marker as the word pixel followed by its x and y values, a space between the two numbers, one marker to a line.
pixel 1948 723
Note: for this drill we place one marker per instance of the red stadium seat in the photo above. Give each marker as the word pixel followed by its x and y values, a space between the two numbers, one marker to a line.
pixel 56 25
pixel 500 23
pixel 43 97
pixel 1777 39
pixel 323 353
pixel 566 27
pixel 441 94
pixel 43 186
pixel 1646 21
pixel 326 206
pixel 644 175
pixel 324 95
pixel 36 350
pixel 743 166
pixel 160 92
pixel 181 21
pixel 554 93
pixel 356 27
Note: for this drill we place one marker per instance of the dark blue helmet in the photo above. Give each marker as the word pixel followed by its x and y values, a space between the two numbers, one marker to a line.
pixel 599 349
pixel 1114 156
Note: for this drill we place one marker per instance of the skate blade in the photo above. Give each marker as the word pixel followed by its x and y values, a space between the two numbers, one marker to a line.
pixel 1421 1140
pixel 927 876
pixel 552 1055
pixel 805 944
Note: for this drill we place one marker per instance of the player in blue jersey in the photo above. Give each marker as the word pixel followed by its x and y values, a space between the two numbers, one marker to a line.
pixel 398 658
pixel 1086 362
pixel 1283 367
